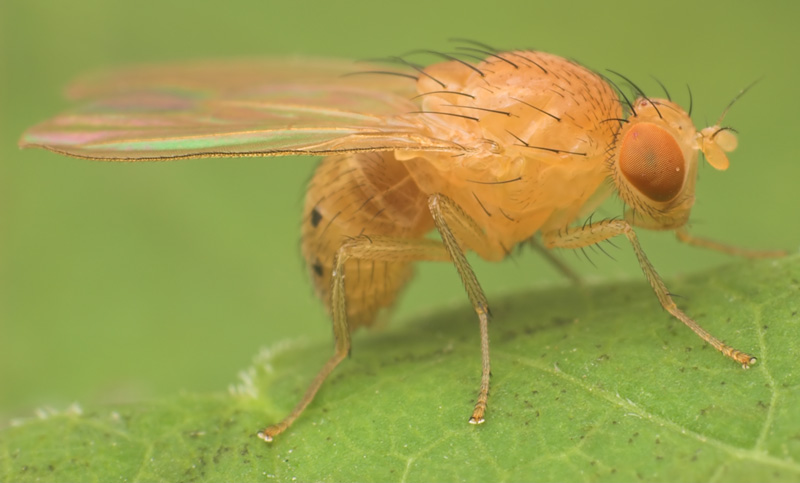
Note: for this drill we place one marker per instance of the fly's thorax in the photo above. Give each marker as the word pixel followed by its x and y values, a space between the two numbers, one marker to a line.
pixel 654 164
pixel 518 114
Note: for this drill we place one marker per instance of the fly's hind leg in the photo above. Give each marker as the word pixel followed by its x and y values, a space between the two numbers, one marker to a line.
pixel 376 248
pixel 596 232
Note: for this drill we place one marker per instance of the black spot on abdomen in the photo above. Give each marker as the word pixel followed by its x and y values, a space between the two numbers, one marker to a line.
pixel 316 217
pixel 317 267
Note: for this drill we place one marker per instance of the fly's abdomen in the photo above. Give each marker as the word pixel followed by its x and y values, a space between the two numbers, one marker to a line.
pixel 353 195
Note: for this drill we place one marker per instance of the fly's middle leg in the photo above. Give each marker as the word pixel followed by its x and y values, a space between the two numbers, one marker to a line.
pixel 459 232
pixel 556 262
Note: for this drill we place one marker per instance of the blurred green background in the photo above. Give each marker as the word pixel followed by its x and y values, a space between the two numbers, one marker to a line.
pixel 121 282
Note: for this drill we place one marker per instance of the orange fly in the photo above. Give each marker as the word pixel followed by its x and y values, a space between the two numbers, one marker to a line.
pixel 489 154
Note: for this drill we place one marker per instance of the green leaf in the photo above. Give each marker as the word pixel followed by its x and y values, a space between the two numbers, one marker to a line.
pixel 589 384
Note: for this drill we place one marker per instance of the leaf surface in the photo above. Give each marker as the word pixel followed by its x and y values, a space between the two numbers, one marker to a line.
pixel 588 384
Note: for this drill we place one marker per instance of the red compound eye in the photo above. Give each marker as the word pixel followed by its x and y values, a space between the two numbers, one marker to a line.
pixel 651 160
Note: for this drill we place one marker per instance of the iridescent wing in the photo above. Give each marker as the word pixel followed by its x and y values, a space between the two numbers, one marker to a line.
pixel 238 108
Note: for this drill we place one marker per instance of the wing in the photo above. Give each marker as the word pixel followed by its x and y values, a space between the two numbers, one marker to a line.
pixel 238 108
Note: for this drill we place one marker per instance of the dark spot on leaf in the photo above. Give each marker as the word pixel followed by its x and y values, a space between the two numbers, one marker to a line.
pixel 220 451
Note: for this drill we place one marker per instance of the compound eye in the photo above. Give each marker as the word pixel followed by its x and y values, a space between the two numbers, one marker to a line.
pixel 651 160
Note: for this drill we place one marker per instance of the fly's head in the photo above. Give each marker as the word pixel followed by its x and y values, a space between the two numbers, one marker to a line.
pixel 654 163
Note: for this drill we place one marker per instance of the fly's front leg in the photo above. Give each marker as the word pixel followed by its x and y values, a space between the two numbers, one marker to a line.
pixel 460 232
pixel 376 248
pixel 596 232
pixel 684 236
